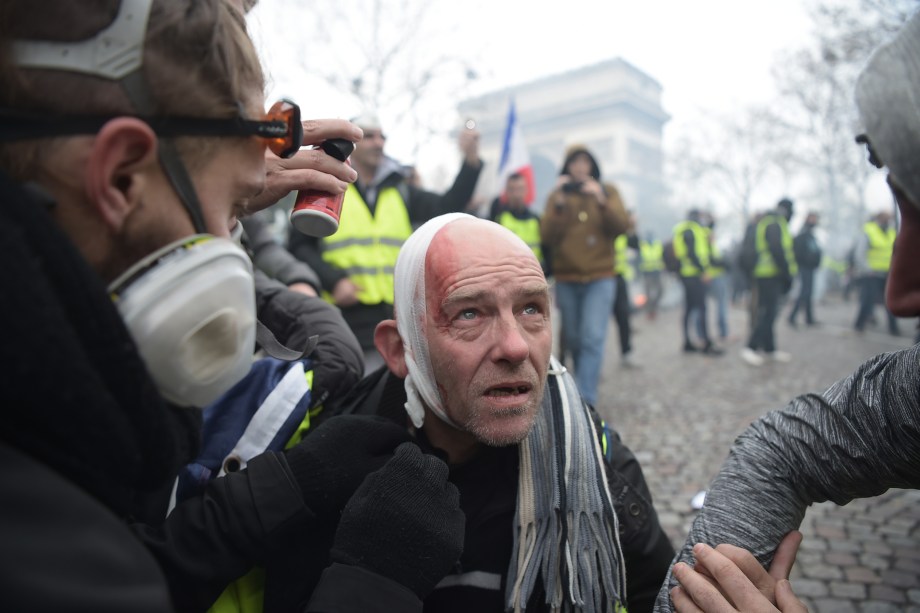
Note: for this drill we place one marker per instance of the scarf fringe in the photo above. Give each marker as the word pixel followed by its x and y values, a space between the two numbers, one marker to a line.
pixel 575 550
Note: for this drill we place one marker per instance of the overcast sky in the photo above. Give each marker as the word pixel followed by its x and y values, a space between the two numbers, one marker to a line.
pixel 708 55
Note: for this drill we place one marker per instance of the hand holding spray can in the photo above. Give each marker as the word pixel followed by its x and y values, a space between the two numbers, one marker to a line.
pixel 315 212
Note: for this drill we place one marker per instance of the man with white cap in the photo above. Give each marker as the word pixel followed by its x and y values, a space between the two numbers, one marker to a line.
pixel 558 514
pixel 355 265
pixel 858 438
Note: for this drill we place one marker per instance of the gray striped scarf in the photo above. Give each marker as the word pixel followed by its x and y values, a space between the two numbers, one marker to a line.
pixel 565 526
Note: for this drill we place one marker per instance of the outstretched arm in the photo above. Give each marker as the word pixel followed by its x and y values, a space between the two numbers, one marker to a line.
pixel 857 439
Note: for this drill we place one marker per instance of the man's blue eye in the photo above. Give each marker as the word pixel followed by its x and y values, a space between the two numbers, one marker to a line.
pixel 467 315
pixel 531 309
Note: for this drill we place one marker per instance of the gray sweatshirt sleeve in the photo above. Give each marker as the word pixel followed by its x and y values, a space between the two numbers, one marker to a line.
pixel 856 440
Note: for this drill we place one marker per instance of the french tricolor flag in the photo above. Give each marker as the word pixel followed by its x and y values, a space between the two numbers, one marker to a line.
pixel 514 157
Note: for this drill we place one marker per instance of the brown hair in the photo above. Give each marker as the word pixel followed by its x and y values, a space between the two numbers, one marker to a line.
pixel 198 62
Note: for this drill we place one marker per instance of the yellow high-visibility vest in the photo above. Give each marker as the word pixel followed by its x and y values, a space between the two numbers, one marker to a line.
pixel 766 267
pixel 651 256
pixel 527 229
pixel 621 265
pixel 366 246
pixel 687 268
pixel 881 245
pixel 714 254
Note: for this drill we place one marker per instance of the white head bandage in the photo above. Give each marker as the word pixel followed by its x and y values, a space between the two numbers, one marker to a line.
pixel 410 307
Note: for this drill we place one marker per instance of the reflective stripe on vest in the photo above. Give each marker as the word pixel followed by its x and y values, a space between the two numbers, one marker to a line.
pixel 270 416
pixel 527 229
pixel 687 268
pixel 366 246
pixel 766 267
pixel 881 244
pixel 651 255
pixel 621 263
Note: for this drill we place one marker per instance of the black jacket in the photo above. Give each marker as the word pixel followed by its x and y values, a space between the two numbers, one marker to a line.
pixel 421 204
pixel 488 494
pixel 295 318
pixel 806 249
pixel 89 451
pixel 84 434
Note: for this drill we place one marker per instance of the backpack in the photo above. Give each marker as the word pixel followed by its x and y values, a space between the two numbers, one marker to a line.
pixel 671 263
pixel 747 253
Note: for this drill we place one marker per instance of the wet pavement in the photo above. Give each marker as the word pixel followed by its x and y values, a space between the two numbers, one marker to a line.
pixel 680 413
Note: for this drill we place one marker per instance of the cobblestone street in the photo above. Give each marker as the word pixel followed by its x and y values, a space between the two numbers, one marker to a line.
pixel 680 413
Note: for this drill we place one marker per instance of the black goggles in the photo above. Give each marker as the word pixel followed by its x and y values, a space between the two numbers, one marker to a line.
pixel 280 127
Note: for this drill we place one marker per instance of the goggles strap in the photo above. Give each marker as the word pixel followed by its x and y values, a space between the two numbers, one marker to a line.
pixel 135 87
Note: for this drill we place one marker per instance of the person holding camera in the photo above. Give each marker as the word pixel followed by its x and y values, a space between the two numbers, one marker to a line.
pixel 582 218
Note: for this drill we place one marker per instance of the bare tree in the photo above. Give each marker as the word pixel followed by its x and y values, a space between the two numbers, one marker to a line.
pixel 729 158
pixel 397 58
pixel 804 138
pixel 816 85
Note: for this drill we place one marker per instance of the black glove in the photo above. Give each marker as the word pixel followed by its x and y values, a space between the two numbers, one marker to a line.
pixel 404 522
pixel 331 462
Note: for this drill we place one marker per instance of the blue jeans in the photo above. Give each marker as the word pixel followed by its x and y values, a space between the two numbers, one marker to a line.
pixel 585 310
pixel 807 277
pixel 718 289
pixel 871 293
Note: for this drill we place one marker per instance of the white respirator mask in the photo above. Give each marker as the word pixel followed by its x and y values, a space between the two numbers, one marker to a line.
pixel 191 309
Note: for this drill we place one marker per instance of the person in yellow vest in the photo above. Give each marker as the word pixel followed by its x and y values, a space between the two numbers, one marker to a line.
pixel 355 265
pixel 691 246
pixel 872 259
pixel 515 214
pixel 773 274
pixel 717 287
pixel 622 304
pixel 651 265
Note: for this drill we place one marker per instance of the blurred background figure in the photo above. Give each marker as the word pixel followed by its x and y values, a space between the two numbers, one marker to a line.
pixel 717 288
pixel 775 266
pixel 581 220
pixel 871 261
pixel 808 257
pixel 691 247
pixel 622 302
pixel 514 213
pixel 651 265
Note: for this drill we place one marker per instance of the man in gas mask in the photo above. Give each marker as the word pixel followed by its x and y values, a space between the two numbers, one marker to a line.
pixel 132 136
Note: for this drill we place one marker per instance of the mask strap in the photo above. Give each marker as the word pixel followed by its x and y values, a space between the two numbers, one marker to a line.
pixel 117 53
pixel 135 87
pixel 273 347
pixel 114 52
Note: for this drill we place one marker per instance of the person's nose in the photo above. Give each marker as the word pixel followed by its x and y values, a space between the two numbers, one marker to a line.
pixel 510 342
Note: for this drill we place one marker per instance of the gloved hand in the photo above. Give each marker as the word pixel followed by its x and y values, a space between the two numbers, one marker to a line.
pixel 331 462
pixel 404 522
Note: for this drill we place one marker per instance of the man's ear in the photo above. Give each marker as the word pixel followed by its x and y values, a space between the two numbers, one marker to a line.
pixel 119 167
pixel 390 346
